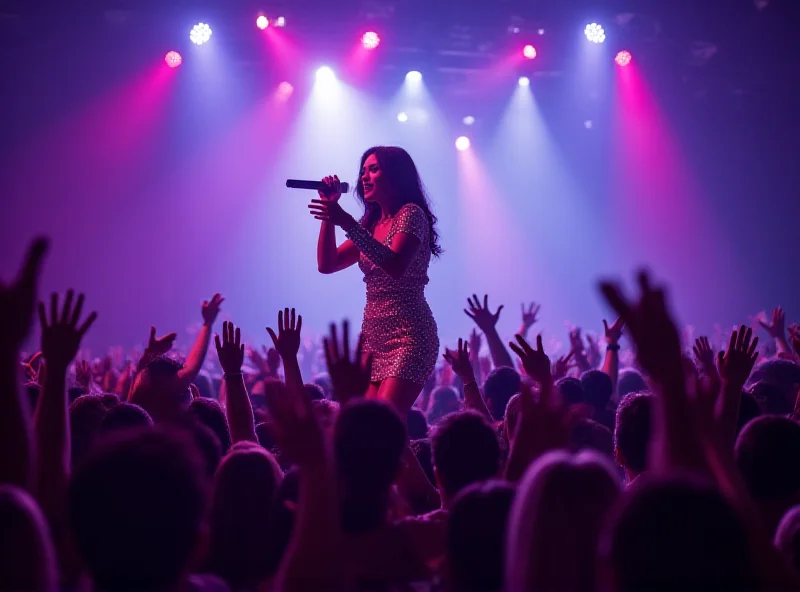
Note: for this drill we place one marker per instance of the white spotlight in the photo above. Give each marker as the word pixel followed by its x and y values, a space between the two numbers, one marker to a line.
pixel 469 120
pixel 594 33
pixel 200 33
pixel 524 81
pixel 402 117
pixel 462 143
pixel 325 75
pixel 281 22
pixel 414 76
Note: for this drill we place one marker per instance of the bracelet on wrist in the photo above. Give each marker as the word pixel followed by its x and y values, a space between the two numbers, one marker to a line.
pixel 612 347
pixel 232 375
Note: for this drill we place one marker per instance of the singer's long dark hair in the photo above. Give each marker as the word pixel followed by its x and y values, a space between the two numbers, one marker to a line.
pixel 402 176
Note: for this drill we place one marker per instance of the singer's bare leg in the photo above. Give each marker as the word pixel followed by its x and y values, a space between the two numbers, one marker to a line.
pixel 399 393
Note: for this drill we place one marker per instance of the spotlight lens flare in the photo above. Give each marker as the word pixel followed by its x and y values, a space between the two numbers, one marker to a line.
pixel 325 75
pixel 524 81
pixel 623 58
pixel 469 120
pixel 529 51
pixel 200 33
pixel 462 143
pixel 173 59
pixel 262 22
pixel 414 76
pixel 402 117
pixel 370 40
pixel 595 33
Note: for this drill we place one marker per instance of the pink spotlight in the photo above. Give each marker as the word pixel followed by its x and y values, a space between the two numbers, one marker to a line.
pixel 529 51
pixel 262 22
pixel 370 40
pixel 173 59
pixel 623 58
pixel 284 91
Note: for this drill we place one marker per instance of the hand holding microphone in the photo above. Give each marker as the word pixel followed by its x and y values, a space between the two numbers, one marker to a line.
pixel 327 207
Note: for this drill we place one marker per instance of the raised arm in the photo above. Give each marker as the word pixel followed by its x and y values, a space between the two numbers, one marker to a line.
pixel 331 258
pixel 197 355
pixel 487 322
pixel 16 313
pixel 237 405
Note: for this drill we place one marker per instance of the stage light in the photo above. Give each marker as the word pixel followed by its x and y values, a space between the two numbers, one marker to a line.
pixel 262 22
pixel 414 76
pixel 325 75
pixel 623 58
pixel 200 33
pixel 595 33
pixel 370 40
pixel 540 31
pixel 173 59
pixel 524 81
pixel 462 143
pixel 529 51
pixel 280 22
pixel 284 91
pixel 588 124
pixel 402 117
pixel 469 120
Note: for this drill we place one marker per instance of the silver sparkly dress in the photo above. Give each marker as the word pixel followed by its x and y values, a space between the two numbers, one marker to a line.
pixel 398 326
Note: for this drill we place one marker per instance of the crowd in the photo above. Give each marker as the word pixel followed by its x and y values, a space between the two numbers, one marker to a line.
pixel 666 465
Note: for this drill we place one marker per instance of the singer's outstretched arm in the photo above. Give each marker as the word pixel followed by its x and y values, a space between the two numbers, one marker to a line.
pixel 331 259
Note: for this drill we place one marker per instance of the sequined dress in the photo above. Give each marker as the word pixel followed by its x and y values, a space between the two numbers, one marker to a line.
pixel 398 326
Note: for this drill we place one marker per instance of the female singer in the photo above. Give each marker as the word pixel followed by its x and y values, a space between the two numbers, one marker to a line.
pixel 392 245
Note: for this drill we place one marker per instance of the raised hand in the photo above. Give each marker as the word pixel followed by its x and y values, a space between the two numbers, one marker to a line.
pixel 31 367
pixel 561 367
pixel 161 345
pixel 287 341
pixel 530 315
pixel 535 361
pixel 613 333
pixel 736 364
pixel 777 327
pixel 231 350
pixel 483 317
pixel 84 375
pixel 210 309
pixel 329 210
pixel 18 298
pixel 350 376
pixel 794 336
pixel 593 351
pixel 459 360
pixel 474 343
pixel 652 330
pixel 704 355
pixel 576 342
pixel 61 334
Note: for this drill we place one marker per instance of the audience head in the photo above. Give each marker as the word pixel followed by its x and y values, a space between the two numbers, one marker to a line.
pixel 158 390
pixel 27 556
pixel 555 522
pixel 588 434
pixel 632 433
pixel 511 416
pixel 476 530
pixel 673 533
pixel 771 399
pixel 767 452
pixel 324 382
pixel 784 374
pixel 136 510
pixel 314 391
pixel 749 409
pixel 630 381
pixel 501 384
pixel 241 506
pixel 205 386
pixel 86 413
pixel 444 400
pixel 787 538
pixel 325 411
pixel 465 450
pixel 571 390
pixel 125 416
pixel 597 389
pixel 369 438
pixel 417 424
pixel 210 413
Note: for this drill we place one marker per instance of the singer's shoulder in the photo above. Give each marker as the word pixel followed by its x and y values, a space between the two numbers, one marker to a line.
pixel 410 209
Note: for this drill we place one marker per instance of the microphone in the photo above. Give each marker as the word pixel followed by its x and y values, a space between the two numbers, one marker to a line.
pixel 314 185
